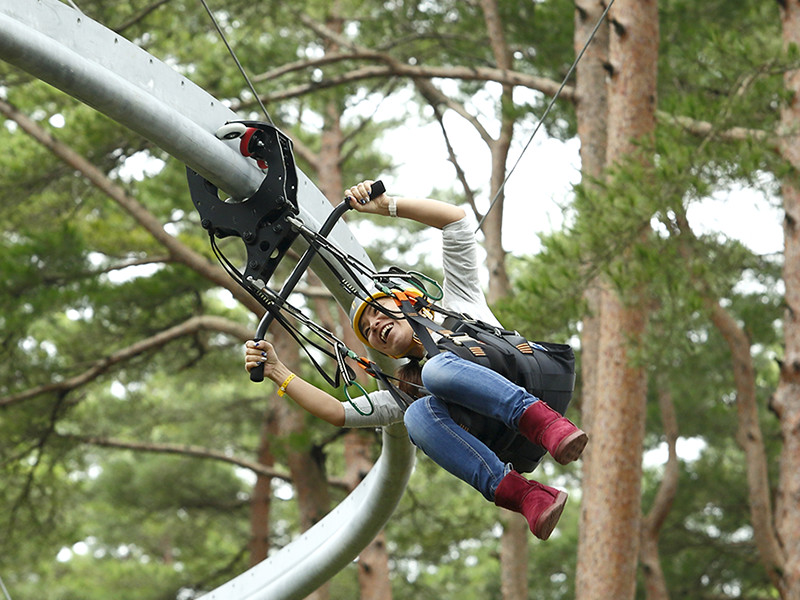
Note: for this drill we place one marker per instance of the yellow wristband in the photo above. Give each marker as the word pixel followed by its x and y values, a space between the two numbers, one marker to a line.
pixel 286 382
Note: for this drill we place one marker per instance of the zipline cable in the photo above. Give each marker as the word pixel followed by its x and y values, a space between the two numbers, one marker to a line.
pixel 75 6
pixel 236 60
pixel 546 112
pixel 5 591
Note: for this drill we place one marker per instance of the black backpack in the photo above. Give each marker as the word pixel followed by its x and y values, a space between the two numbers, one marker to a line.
pixel 545 369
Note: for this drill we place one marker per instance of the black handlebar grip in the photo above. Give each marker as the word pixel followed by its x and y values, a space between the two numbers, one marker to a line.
pixel 257 373
pixel 377 188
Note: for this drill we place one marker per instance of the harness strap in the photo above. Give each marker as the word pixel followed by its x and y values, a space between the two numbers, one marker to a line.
pixel 402 399
pixel 477 340
pixel 420 324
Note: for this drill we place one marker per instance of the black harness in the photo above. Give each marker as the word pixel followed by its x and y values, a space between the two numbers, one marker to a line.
pixel 268 225
pixel 545 369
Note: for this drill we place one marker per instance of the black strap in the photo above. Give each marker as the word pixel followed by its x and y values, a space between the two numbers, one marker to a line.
pixel 402 399
pixel 421 325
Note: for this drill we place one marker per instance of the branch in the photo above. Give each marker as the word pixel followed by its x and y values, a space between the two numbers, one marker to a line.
pixel 312 63
pixel 669 484
pixel 655 583
pixel 502 76
pixel 195 451
pixel 460 174
pixel 705 129
pixel 751 440
pixel 181 449
pixel 749 435
pixel 421 75
pixel 153 260
pixel 140 16
pixel 417 73
pixel 178 251
pixel 307 154
pixel 103 365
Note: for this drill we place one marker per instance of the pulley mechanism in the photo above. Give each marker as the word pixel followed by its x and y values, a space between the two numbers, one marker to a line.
pixel 261 220
pixel 268 223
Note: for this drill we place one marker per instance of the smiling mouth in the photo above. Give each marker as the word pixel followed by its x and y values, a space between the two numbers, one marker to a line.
pixel 385 332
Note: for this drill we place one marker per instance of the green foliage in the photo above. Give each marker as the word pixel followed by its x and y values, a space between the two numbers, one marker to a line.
pixel 81 520
pixel 464 552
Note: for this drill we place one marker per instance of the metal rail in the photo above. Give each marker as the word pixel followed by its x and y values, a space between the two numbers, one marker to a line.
pixel 65 48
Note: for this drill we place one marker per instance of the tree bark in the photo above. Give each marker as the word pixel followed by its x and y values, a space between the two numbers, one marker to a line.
pixel 611 517
pixel 514 542
pixel 655 584
pixel 786 401
pixel 499 284
pixel 373 561
pixel 591 110
pixel 261 496
pixel 591 95
pixel 514 556
pixel 752 442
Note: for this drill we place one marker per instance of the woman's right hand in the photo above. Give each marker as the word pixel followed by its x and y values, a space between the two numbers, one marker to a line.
pixel 260 353
pixel 316 401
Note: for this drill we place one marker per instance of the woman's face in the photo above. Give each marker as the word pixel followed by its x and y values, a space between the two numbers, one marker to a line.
pixel 387 335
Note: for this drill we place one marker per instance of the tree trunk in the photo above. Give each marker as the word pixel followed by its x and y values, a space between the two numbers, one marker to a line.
pixel 514 543
pixel 373 561
pixel 591 109
pixel 752 442
pixel 655 584
pixel 514 556
pixel 786 401
pixel 611 517
pixel 591 95
pixel 261 499
pixel 611 514
pixel 499 284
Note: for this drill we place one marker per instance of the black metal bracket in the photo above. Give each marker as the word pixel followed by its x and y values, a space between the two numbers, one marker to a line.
pixel 261 220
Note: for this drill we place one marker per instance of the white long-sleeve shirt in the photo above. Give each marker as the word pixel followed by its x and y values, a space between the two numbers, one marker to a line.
pixel 462 293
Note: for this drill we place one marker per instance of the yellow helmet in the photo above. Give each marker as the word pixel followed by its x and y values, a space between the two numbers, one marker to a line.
pixel 358 307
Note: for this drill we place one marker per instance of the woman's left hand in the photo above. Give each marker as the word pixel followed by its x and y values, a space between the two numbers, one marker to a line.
pixel 360 200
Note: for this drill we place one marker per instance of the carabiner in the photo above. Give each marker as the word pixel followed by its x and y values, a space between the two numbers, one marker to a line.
pixel 353 404
pixel 439 290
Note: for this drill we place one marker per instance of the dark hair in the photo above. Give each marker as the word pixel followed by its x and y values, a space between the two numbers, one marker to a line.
pixel 409 377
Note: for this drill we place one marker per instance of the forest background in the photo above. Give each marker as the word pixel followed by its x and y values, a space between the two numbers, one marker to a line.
pixel 138 460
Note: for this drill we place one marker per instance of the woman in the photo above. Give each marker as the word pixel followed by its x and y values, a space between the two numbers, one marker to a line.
pixel 448 379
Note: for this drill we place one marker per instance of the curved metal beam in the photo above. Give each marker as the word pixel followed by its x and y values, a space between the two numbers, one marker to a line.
pixel 66 49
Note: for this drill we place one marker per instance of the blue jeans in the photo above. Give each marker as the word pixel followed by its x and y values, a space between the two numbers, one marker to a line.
pixel 452 380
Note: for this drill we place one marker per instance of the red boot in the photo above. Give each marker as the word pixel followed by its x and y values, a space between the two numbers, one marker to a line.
pixel 544 426
pixel 539 504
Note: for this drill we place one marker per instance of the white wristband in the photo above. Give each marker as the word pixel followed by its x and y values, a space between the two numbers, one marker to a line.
pixel 392 206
